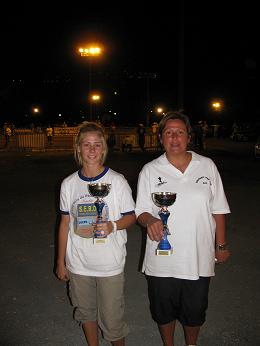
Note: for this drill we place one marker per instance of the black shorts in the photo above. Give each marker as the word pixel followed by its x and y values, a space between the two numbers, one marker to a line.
pixel 178 299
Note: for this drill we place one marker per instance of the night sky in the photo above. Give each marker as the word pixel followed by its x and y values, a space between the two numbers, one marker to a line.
pixel 143 60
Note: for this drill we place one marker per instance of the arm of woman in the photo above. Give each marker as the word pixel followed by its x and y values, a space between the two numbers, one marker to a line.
pixel 154 225
pixel 123 223
pixel 222 252
pixel 61 269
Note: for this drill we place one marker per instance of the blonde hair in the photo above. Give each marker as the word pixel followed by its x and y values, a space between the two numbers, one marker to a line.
pixel 83 129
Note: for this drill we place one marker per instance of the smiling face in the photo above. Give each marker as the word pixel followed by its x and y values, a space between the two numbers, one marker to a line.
pixel 175 137
pixel 91 148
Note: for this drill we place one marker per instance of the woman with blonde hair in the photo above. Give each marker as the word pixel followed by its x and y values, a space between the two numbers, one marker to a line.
pixel 95 270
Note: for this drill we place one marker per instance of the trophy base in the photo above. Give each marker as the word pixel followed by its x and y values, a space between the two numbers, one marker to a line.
pixel 163 252
pixel 99 240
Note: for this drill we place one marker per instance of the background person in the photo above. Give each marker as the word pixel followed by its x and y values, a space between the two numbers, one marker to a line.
pixel 8 133
pixel 154 131
pixel 49 133
pixel 127 145
pixel 178 284
pixel 141 136
pixel 95 271
pixel 112 136
pixel 199 138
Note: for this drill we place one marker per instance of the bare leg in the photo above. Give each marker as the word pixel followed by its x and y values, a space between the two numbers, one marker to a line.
pixel 167 333
pixel 91 332
pixel 120 342
pixel 191 334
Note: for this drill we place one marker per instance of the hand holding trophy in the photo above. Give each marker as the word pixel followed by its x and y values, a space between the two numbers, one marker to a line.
pixel 99 190
pixel 164 200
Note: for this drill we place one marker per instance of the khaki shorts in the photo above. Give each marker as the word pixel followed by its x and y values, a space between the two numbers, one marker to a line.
pixel 100 299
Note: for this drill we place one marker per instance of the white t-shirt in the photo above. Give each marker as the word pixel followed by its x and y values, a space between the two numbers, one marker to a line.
pixel 200 194
pixel 82 255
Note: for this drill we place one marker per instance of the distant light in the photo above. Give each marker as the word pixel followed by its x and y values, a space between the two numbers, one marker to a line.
pixel 59 115
pixel 115 92
pixel 95 97
pixel 36 110
pixel 114 113
pixel 90 51
pixel 159 110
pixel 217 105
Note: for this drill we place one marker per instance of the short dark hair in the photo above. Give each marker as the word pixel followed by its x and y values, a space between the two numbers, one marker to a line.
pixel 172 116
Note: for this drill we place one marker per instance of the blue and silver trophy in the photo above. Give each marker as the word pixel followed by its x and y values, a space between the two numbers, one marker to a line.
pixel 99 190
pixel 164 200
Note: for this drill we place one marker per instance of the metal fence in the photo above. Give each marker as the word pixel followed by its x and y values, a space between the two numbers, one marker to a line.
pixel 29 140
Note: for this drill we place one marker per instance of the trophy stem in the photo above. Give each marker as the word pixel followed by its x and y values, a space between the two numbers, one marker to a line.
pixel 99 204
pixel 164 247
pixel 164 215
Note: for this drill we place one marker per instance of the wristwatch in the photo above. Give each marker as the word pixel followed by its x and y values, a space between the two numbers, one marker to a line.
pixel 222 247
pixel 114 224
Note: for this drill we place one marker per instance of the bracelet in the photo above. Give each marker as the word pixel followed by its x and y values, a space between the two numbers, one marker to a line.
pixel 114 224
pixel 222 247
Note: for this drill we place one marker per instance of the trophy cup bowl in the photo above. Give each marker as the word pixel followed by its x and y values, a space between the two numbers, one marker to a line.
pixel 164 200
pixel 99 190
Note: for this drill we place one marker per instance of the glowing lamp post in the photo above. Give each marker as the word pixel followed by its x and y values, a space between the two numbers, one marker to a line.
pixel 95 98
pixel 90 52
pixel 217 106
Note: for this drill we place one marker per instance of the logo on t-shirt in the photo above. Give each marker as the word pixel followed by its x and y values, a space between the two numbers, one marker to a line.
pixel 204 181
pixel 86 214
pixel 161 182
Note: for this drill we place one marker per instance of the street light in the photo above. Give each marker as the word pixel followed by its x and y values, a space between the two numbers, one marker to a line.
pixel 217 106
pixel 90 52
pixel 94 99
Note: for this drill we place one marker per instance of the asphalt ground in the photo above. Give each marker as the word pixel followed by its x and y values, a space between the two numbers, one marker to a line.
pixel 35 309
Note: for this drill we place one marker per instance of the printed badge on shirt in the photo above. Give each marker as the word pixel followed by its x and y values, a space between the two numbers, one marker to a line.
pixel 86 215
